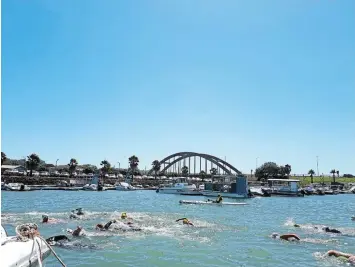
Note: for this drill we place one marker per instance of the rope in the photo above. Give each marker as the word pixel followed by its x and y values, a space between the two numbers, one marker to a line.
pixel 50 248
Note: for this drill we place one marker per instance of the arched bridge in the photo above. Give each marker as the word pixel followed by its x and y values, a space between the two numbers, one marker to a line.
pixel 205 162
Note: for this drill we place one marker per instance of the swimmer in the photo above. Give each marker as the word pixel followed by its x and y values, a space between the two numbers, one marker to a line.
pixel 64 241
pixel 124 216
pixel 353 218
pixel 287 237
pixel 326 229
pixel 76 232
pixel 104 227
pixel 185 221
pixel 45 219
pixel 348 256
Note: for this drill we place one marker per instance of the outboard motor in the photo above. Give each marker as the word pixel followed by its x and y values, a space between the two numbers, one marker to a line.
pixel 22 187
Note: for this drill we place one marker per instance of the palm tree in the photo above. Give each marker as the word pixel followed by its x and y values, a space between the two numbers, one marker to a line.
pixel 133 163
pixel 156 167
pixel 185 171
pixel 202 175
pixel 213 171
pixel 3 158
pixel 72 166
pixel 33 162
pixel 311 172
pixel 338 174
pixel 333 172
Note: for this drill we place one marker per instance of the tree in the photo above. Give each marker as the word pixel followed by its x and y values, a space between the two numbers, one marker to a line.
pixel 72 166
pixel 3 158
pixel 32 162
pixel 133 163
pixel 213 171
pixel 106 167
pixel 156 167
pixel 311 172
pixel 185 171
pixel 333 172
pixel 338 174
pixel 202 175
pixel 288 169
pixel 268 169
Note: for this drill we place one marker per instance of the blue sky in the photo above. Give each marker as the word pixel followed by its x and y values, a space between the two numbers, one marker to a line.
pixel 100 80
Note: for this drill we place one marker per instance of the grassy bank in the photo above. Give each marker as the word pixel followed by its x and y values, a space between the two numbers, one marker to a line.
pixel 305 180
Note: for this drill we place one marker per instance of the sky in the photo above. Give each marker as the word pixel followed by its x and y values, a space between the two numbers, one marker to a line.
pixel 96 80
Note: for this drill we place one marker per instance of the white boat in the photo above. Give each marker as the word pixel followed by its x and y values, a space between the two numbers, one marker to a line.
pixel 94 185
pixel 122 186
pixel 285 188
pixel 16 187
pixel 16 252
pixel 180 186
pixel 211 203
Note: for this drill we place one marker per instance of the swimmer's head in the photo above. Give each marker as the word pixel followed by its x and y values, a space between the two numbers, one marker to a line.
pixel 123 215
pixel 274 235
pixel 296 225
pixel 99 226
pixel 219 195
pixel 185 220
pixel 44 218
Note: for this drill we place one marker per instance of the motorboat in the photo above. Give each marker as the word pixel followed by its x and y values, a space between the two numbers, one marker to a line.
pixel 211 203
pixel 21 251
pixel 3 187
pixel 94 185
pixel 180 186
pixel 16 187
pixel 90 187
pixel 123 186
pixel 285 188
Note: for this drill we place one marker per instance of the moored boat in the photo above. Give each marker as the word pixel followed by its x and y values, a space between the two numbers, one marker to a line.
pixel 211 203
pixel 16 187
pixel 123 186
pixel 285 188
pixel 180 186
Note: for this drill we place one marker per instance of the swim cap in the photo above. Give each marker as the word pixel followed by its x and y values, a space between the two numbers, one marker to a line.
pixel 185 220
pixel 274 235
pixel 44 216
pixel 123 215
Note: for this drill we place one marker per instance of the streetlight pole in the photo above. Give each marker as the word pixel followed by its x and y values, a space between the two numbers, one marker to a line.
pixel 56 164
pixel 317 167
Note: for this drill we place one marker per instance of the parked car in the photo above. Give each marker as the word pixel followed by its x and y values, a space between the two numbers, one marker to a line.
pixel 35 173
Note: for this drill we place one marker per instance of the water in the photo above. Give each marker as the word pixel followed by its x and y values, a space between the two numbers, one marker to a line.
pixel 223 236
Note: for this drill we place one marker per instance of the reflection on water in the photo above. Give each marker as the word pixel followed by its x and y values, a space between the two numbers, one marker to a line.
pixel 222 236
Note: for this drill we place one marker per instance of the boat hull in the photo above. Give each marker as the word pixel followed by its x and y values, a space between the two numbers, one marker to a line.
pixel 211 203
pixel 223 194
pixel 19 253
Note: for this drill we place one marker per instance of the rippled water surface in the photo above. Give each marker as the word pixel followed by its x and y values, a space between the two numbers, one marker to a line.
pixel 222 236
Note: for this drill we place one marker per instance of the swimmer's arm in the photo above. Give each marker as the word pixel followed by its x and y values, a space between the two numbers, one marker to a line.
pixel 180 219
pixel 338 254
pixel 287 236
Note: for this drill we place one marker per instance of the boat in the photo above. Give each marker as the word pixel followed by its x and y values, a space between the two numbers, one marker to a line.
pixel 195 192
pixel 285 188
pixel 94 185
pixel 123 186
pixel 3 187
pixel 211 203
pixel 23 251
pixel 229 186
pixel 180 186
pixel 16 187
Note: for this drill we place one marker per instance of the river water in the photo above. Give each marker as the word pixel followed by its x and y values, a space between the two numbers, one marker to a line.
pixel 222 236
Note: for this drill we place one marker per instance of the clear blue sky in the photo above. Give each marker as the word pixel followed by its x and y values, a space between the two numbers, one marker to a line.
pixel 100 80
